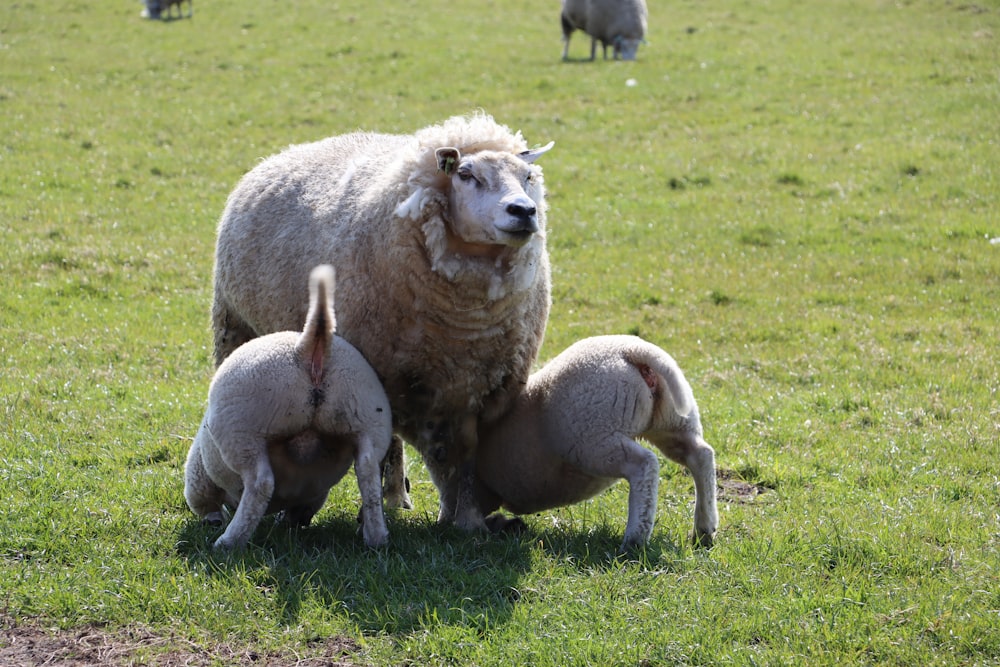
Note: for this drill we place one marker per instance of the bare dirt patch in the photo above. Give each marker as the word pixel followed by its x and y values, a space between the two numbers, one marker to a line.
pixel 731 487
pixel 29 645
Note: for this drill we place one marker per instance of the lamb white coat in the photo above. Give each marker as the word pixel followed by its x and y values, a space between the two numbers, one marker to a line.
pixel 573 433
pixel 287 415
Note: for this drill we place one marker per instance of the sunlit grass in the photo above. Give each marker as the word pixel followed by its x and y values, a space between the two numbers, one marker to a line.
pixel 794 199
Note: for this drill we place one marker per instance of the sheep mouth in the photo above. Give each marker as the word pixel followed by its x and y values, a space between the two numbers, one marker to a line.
pixel 519 237
pixel 518 231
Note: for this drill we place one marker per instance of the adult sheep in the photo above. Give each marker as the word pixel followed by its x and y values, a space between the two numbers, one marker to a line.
pixel 438 240
pixel 620 23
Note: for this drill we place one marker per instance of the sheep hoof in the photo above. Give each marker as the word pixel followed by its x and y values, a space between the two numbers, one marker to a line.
pixel 628 547
pixel 213 519
pixel 498 523
pixel 397 497
pixel 703 540
pixel 470 521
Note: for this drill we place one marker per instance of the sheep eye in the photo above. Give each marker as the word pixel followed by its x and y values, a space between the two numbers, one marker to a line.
pixel 466 175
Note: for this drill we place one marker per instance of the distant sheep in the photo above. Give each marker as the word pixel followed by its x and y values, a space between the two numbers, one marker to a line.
pixel 438 239
pixel 620 23
pixel 572 434
pixel 154 9
pixel 287 415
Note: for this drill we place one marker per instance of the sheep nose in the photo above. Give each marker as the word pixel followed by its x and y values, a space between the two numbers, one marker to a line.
pixel 525 216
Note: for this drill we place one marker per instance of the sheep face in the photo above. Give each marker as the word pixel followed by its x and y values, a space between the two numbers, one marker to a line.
pixel 494 198
pixel 626 48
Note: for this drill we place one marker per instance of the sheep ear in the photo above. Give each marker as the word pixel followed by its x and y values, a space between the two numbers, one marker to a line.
pixel 530 156
pixel 447 159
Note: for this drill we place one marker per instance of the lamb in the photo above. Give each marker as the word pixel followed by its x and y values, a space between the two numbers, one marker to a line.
pixel 286 415
pixel 572 434
pixel 438 239
pixel 620 23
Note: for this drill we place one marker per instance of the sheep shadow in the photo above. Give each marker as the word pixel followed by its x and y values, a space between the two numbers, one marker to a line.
pixel 598 547
pixel 428 574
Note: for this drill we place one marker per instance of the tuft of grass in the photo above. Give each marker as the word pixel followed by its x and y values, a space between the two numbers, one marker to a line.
pixel 796 200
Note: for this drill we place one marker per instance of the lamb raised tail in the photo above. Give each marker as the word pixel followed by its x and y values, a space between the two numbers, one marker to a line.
pixel 321 323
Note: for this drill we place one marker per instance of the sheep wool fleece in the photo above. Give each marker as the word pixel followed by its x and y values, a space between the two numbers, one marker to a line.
pixel 449 308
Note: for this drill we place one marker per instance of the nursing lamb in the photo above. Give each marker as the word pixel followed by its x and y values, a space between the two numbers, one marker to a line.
pixel 287 414
pixel 438 239
pixel 572 434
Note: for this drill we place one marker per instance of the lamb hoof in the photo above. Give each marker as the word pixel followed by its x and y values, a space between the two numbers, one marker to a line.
pixel 222 544
pixel 498 523
pixel 703 540
pixel 630 546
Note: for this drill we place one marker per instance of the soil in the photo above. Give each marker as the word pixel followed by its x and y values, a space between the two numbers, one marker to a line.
pixel 27 645
pixel 733 488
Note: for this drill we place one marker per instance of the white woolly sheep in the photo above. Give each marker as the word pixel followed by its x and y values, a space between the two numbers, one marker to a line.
pixel 154 9
pixel 620 23
pixel 287 413
pixel 438 239
pixel 572 434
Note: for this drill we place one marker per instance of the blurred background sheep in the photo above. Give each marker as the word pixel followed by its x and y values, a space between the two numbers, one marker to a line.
pixel 618 23
pixel 154 9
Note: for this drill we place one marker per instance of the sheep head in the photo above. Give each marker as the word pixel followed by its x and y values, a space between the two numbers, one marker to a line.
pixel 495 198
pixel 626 48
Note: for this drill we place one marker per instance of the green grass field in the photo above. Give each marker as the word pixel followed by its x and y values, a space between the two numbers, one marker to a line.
pixel 799 201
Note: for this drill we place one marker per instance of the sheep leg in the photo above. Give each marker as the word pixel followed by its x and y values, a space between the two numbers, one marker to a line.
pixel 467 513
pixel 258 486
pixel 395 485
pixel 366 469
pixel 567 29
pixel 701 463
pixel 642 470
pixel 203 496
pixel 692 452
pixel 230 329
pixel 622 457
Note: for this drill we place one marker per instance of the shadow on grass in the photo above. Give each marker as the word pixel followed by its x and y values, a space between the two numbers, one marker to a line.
pixel 427 575
pixel 598 548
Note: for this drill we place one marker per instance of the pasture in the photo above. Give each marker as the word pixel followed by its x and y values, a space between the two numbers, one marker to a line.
pixel 800 201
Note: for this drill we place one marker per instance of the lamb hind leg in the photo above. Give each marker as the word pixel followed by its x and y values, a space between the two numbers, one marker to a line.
pixel 691 451
pixel 366 469
pixel 203 496
pixel 623 458
pixel 257 490
pixel 701 463
pixel 643 478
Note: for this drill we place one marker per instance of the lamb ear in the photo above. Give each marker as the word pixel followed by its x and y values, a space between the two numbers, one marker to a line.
pixel 447 159
pixel 533 154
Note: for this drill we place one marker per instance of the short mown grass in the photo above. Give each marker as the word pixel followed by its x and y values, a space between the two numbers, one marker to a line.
pixel 797 200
